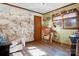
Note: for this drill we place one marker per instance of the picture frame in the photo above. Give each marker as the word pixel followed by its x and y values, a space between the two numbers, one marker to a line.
pixel 58 23
pixel 70 23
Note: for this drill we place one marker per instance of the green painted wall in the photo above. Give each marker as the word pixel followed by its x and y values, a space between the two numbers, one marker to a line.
pixel 63 33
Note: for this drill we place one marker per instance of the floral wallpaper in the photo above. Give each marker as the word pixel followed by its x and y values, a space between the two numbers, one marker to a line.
pixel 16 23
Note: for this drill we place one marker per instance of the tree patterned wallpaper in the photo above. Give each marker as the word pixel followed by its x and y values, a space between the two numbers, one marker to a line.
pixel 17 23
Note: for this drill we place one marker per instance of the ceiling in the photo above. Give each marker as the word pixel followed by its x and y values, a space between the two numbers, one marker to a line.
pixel 41 7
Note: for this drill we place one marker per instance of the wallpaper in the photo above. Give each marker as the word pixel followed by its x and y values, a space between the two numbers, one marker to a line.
pixel 64 33
pixel 17 23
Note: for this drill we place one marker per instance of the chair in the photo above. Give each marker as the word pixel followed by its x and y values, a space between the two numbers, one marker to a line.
pixel 17 45
pixel 47 35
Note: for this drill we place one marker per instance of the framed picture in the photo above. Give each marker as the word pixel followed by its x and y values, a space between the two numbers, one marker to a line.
pixel 71 23
pixel 57 23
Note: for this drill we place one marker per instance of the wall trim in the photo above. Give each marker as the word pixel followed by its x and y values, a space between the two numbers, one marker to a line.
pixel 59 8
pixel 38 12
pixel 21 8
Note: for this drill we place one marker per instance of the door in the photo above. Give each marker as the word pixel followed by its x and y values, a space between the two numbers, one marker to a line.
pixel 37 28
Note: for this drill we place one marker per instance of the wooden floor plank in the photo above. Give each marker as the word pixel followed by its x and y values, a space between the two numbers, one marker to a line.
pixel 45 49
pixel 54 49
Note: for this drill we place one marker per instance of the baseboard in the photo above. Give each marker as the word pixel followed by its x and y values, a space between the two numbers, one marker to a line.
pixel 29 42
pixel 49 42
pixel 61 43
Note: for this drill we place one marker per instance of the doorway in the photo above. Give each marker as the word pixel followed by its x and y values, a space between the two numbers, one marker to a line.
pixel 37 28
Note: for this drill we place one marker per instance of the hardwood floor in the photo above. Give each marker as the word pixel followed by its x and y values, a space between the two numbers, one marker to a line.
pixel 45 49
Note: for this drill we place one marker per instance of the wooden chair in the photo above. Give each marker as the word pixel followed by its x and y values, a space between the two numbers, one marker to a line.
pixel 47 35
